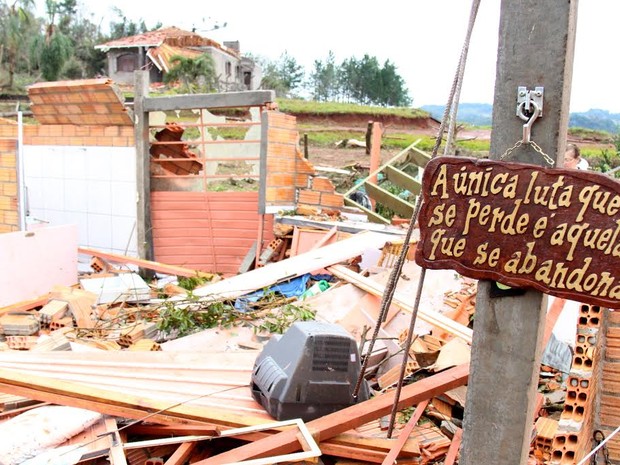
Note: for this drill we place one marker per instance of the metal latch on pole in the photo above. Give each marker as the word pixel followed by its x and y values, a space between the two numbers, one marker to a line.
pixel 529 108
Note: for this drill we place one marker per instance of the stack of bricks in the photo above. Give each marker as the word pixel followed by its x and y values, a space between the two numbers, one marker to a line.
pixel 608 415
pixel 52 311
pixel 139 331
pixel 21 324
pixel 322 194
pixel 543 442
pixel 9 218
pixel 290 178
pixel 573 438
pixel 21 342
pixel 99 135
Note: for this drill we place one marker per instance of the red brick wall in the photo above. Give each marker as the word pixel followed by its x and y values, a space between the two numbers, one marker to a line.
pixel 291 179
pixel 92 136
pixel 9 218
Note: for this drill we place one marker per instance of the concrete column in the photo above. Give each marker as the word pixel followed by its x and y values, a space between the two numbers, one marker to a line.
pixel 536 44
pixel 143 167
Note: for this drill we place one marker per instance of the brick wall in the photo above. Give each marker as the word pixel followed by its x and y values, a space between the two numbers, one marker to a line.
pixel 9 218
pixel 99 136
pixel 573 438
pixel 290 178
pixel 608 415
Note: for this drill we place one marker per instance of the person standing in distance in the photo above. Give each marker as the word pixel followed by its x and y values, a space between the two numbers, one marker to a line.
pixel 573 158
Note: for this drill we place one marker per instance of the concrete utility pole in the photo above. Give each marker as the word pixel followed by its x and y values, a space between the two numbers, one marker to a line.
pixel 536 46
pixel 143 167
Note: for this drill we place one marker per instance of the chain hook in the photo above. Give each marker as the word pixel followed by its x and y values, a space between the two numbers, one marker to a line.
pixel 521 113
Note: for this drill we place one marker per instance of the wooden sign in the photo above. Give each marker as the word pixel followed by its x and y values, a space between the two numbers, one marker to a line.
pixel 555 230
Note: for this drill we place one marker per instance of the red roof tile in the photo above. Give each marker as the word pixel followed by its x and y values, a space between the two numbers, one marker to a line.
pixel 172 36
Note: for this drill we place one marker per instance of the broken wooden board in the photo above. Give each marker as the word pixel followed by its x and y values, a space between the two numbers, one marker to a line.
pixel 295 266
pixel 554 230
pixel 25 305
pixel 404 433
pixel 147 264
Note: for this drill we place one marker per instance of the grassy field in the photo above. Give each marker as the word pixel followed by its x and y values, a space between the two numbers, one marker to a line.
pixel 337 108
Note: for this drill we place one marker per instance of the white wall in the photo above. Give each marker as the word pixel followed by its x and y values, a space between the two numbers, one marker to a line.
pixel 93 187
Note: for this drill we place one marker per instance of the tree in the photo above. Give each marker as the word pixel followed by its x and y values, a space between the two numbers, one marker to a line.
pixel 395 92
pixel 17 26
pixel 323 81
pixel 283 76
pixel 85 35
pixel 191 71
pixel 54 49
pixel 365 82
pixel 124 27
pixel 292 72
pixel 349 80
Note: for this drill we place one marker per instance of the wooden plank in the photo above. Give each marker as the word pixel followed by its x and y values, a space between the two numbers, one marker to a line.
pixel 343 445
pixel 148 264
pixel 403 435
pixel 323 240
pixel 181 454
pixel 402 179
pixel 410 446
pixel 372 216
pixel 454 447
pixel 394 159
pixel 117 454
pixel 418 157
pixel 342 226
pixel 377 289
pixel 335 423
pixel 223 100
pixel 25 305
pixel 293 266
pixel 384 197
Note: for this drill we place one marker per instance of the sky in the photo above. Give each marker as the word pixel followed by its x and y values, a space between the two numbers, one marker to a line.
pixel 422 38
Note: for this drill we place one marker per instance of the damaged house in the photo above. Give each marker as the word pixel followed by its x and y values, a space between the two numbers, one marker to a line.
pixel 153 51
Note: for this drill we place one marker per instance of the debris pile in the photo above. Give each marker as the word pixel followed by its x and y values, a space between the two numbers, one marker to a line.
pixel 162 371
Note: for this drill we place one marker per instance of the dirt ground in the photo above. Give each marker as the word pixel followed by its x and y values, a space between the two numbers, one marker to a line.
pixel 345 157
pixel 336 157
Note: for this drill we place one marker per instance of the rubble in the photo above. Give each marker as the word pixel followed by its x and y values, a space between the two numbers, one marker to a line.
pixel 162 356
pixel 110 356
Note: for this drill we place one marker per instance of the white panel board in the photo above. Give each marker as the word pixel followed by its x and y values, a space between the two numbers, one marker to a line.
pixel 32 262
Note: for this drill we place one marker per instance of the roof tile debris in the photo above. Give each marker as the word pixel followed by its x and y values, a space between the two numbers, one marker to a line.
pixel 171 36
